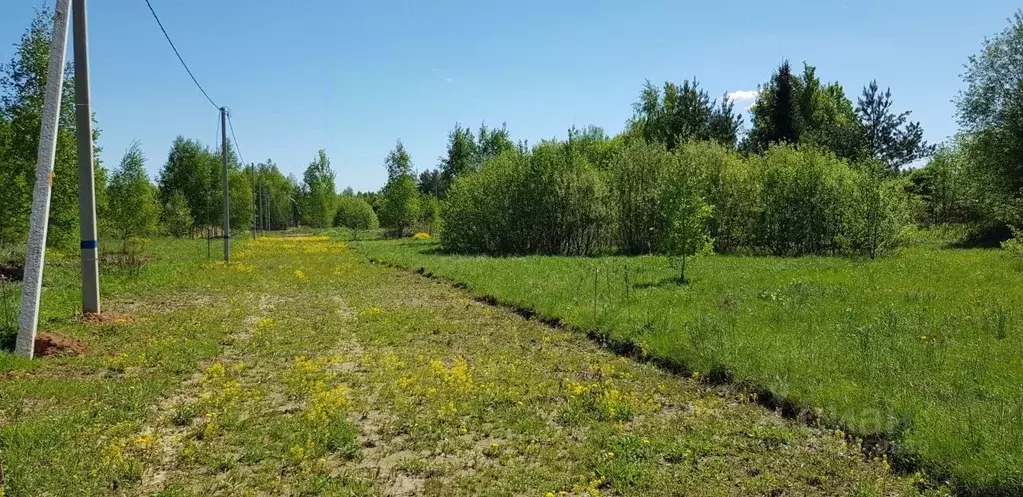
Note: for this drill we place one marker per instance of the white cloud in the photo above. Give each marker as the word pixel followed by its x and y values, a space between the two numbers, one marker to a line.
pixel 449 80
pixel 743 95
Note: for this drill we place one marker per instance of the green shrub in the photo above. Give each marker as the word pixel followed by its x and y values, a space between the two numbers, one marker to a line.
pixel 805 197
pixel 354 213
pixel 399 205
pixel 1014 246
pixel 574 200
pixel 686 212
pixel 550 200
pixel 429 213
pixel 176 216
pixel 133 209
pixel 474 218
pixel 637 174
pixel 881 213
pixel 942 187
pixel 729 185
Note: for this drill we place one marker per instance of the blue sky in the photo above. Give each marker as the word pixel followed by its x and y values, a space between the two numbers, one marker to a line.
pixel 352 77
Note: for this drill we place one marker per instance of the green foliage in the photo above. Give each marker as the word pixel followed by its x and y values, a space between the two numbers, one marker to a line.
pixel 197 173
pixel 22 85
pixel 466 153
pixel 276 194
pixel 880 212
pixel 398 162
pixel 399 206
pixel 800 110
pixel 429 213
pixel 782 107
pixel 1014 246
pixel 460 159
pixel 176 217
pixel 732 187
pixel 646 199
pixel 888 137
pixel 429 182
pixel 318 193
pixel 681 113
pixel 15 193
pixel 193 170
pixel 547 200
pixel 240 195
pixel 686 213
pixel 134 209
pixel 492 142
pixel 944 187
pixel 354 213
pixel 725 124
pixel 804 195
pixel 637 174
pixel 990 112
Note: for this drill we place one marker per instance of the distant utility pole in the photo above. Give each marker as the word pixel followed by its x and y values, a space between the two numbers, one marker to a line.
pixel 86 176
pixel 254 200
pixel 266 209
pixel 28 318
pixel 227 203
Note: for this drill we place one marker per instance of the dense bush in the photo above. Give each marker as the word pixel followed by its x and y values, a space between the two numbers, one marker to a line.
pixel 805 197
pixel 399 204
pixel 637 175
pixel 429 213
pixel 552 200
pixel 686 211
pixel 881 212
pixel 176 217
pixel 731 186
pixel 943 186
pixel 355 213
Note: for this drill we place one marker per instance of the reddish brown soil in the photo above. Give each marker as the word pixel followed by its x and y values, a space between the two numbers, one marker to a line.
pixel 107 317
pixel 51 344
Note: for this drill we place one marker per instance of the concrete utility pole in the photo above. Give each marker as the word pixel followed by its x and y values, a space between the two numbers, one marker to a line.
pixel 266 209
pixel 28 318
pixel 86 176
pixel 227 202
pixel 254 201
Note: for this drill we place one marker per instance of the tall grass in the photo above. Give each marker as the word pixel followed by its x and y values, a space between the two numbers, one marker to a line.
pixel 921 347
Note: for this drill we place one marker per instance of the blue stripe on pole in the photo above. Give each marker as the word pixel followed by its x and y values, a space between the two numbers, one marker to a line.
pixel 89 244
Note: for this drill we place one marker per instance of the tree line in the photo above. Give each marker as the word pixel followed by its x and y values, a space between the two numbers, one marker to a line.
pixel 977 177
pixel 811 173
pixel 814 173
pixel 186 198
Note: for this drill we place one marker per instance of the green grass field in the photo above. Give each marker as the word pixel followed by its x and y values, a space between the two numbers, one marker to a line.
pixel 922 347
pixel 301 369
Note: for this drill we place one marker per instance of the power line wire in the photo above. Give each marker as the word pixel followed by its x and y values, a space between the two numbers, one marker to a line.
pixel 237 148
pixel 179 55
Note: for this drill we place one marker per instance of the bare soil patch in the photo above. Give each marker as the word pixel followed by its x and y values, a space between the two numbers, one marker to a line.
pixel 55 344
pixel 108 317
